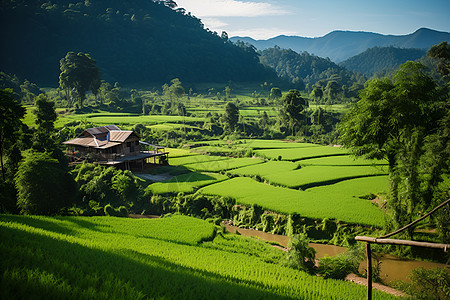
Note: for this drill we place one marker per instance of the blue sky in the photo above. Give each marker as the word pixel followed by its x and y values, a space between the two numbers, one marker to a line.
pixel 262 19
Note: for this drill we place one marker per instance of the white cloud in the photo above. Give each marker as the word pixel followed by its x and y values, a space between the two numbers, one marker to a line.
pixel 214 24
pixel 230 8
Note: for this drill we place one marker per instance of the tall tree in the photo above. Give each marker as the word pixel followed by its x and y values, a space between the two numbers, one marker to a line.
pixel 80 74
pixel 292 106
pixel 11 113
pixel 442 53
pixel 45 119
pixel 231 116
pixel 391 121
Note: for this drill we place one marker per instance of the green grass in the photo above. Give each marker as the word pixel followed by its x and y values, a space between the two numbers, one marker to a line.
pixel 319 175
pixel 113 258
pixel 317 205
pixel 295 154
pixel 273 144
pixel 175 152
pixel 195 159
pixel 355 187
pixel 265 169
pixel 223 165
pixel 342 160
pixel 186 183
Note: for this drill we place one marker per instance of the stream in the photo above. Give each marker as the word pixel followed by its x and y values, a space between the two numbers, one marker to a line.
pixel 392 267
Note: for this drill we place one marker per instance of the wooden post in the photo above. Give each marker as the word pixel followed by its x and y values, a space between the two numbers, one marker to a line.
pixel 369 271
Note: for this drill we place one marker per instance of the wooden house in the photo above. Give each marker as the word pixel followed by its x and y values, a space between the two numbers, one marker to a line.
pixel 108 145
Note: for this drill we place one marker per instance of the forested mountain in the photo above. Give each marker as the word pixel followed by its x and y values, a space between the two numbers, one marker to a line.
pixel 133 41
pixel 306 70
pixel 379 59
pixel 341 45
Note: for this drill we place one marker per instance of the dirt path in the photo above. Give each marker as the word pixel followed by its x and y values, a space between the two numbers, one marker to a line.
pixel 363 281
pixel 155 178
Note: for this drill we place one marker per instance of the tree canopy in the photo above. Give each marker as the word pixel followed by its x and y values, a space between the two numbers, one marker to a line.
pixel 292 106
pixel 80 74
pixel 392 121
pixel 11 112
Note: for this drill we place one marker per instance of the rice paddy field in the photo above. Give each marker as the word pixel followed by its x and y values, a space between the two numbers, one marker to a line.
pixel 312 180
pixel 176 257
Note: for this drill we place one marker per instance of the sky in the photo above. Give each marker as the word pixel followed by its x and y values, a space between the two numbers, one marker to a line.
pixel 263 19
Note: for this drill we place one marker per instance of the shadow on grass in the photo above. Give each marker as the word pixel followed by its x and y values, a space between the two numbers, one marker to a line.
pixel 72 271
pixel 62 225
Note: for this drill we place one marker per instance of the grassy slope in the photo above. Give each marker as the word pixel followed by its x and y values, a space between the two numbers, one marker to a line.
pixel 104 258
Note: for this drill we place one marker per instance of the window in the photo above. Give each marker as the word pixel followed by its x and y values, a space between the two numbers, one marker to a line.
pixel 136 143
pixel 128 144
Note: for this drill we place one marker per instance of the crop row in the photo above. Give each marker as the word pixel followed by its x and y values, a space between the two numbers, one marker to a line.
pixel 317 204
pixel 186 183
pixel 107 258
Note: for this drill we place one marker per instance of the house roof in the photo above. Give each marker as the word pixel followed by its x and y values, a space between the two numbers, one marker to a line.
pixel 101 137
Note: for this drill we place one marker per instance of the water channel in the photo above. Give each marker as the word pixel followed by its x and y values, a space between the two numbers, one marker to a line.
pixel 392 268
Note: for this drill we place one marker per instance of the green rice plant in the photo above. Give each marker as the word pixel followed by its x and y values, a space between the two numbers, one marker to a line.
pixel 175 152
pixel 341 160
pixel 223 165
pixel 107 257
pixel 186 183
pixel 195 159
pixel 265 168
pixel 357 187
pixel 315 205
pixel 273 144
pixel 301 153
pixel 319 175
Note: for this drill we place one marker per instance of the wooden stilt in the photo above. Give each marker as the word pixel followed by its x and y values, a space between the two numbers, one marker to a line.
pixel 369 271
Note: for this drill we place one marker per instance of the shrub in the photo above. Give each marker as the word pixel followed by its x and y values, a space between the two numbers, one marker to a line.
pixel 109 210
pixel 301 256
pixel 122 211
pixel 429 284
pixel 339 266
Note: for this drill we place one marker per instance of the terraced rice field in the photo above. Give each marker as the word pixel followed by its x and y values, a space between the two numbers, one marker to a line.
pixel 316 205
pixel 327 186
pixel 294 154
pixel 186 183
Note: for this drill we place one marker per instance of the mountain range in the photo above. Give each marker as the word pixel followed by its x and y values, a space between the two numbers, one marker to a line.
pixel 341 45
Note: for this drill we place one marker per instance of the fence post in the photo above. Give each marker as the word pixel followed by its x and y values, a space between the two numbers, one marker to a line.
pixel 369 271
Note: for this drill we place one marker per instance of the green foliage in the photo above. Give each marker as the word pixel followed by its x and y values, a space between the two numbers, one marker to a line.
pixel 339 266
pixel 43 185
pixel 106 186
pixel 157 43
pixel 231 116
pixel 441 52
pixel 393 120
pixel 292 106
pixel 79 73
pixel 313 72
pixel 319 204
pixel 381 59
pixel 301 256
pixel 428 284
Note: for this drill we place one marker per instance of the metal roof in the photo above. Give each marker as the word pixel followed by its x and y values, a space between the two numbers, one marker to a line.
pixel 102 129
pixel 119 135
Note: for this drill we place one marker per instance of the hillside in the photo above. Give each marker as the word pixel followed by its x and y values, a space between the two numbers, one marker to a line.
pixel 378 59
pixel 341 45
pixel 132 41
pixel 305 69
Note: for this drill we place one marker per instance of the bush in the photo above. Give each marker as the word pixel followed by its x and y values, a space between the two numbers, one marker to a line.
pixel 428 284
pixel 301 256
pixel 338 267
pixel 122 211
pixel 109 210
